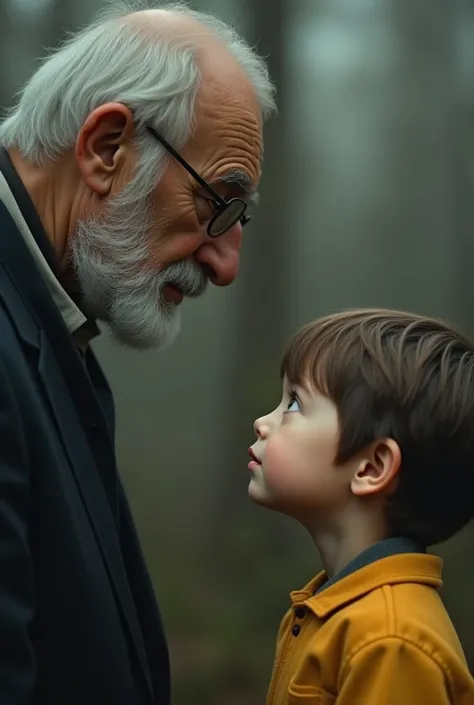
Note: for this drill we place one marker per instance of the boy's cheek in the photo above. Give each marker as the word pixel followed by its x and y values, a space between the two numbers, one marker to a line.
pixel 273 462
pixel 280 471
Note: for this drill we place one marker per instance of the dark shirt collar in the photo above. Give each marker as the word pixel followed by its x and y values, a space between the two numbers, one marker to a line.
pixel 28 210
pixel 381 549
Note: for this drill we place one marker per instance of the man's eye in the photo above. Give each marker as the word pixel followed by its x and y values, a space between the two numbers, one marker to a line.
pixel 205 207
pixel 293 404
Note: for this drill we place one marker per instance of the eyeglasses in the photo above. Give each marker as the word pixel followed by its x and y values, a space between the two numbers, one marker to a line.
pixel 227 213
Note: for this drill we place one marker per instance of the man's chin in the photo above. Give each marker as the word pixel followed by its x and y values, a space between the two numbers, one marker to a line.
pixel 158 335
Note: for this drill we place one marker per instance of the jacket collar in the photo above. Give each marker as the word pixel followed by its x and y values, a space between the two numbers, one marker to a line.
pixel 382 549
pixel 28 210
pixel 20 206
pixel 395 568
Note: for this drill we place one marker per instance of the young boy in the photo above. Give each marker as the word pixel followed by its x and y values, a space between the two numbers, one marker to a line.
pixel 372 450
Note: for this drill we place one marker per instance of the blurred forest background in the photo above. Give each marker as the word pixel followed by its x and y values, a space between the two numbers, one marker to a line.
pixel 367 199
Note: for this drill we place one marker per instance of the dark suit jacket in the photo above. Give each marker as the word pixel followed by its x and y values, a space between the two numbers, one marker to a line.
pixel 78 619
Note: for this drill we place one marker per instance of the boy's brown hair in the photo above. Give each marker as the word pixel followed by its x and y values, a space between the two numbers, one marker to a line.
pixel 398 375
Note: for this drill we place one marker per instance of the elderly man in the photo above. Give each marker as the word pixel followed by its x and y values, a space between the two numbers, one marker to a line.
pixel 126 170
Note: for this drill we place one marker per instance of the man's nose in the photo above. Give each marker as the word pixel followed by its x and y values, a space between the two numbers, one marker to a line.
pixel 219 256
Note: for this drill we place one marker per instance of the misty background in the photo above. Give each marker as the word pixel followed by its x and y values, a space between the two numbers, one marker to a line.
pixel 367 199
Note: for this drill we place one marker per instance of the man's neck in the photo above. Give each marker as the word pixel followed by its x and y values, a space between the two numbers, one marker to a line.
pixel 50 190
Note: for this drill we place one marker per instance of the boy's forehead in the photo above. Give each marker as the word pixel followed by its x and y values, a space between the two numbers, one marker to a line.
pixel 306 361
pixel 302 382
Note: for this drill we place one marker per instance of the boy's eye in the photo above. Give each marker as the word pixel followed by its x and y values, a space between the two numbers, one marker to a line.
pixel 293 404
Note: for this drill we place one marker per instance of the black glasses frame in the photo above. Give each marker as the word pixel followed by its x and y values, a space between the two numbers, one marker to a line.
pixel 221 205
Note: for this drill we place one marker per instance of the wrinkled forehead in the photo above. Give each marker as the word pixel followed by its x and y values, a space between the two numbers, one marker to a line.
pixel 228 140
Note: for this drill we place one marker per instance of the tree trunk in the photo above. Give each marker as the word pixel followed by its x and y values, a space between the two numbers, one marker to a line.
pixel 245 533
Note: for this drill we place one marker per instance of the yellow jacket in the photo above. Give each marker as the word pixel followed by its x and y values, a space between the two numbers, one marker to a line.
pixel 378 636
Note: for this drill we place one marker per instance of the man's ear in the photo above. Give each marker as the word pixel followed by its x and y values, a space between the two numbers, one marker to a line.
pixel 102 145
pixel 377 471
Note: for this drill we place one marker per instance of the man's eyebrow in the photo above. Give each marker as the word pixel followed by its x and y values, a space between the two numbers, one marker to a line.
pixel 239 178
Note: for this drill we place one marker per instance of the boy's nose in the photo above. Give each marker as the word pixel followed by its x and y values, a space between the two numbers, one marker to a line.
pixel 261 427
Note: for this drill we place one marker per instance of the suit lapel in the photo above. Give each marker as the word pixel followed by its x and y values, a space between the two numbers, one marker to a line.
pixel 87 438
pixel 89 481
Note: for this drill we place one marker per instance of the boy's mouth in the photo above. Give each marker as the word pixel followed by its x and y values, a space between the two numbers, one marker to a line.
pixel 254 460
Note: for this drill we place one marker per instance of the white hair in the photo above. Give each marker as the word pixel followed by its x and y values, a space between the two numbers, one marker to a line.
pixel 157 77
pixel 111 60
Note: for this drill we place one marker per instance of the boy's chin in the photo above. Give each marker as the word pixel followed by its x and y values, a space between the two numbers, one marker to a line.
pixel 259 494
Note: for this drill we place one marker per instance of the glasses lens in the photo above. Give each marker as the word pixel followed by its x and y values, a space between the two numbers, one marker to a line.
pixel 228 216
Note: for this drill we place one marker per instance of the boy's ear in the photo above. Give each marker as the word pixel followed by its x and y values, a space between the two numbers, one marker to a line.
pixel 377 472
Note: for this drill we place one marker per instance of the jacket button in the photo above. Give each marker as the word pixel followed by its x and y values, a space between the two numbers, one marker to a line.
pixel 296 630
pixel 300 612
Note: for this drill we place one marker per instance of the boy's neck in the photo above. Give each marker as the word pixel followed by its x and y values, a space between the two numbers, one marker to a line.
pixel 338 548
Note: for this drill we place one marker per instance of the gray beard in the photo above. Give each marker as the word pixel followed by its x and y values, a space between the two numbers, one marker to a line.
pixel 111 257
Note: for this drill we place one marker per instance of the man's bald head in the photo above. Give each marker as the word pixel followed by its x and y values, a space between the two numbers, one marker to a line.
pixel 152 60
pixel 213 52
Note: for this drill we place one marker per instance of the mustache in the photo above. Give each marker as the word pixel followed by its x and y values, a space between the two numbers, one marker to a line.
pixel 187 276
